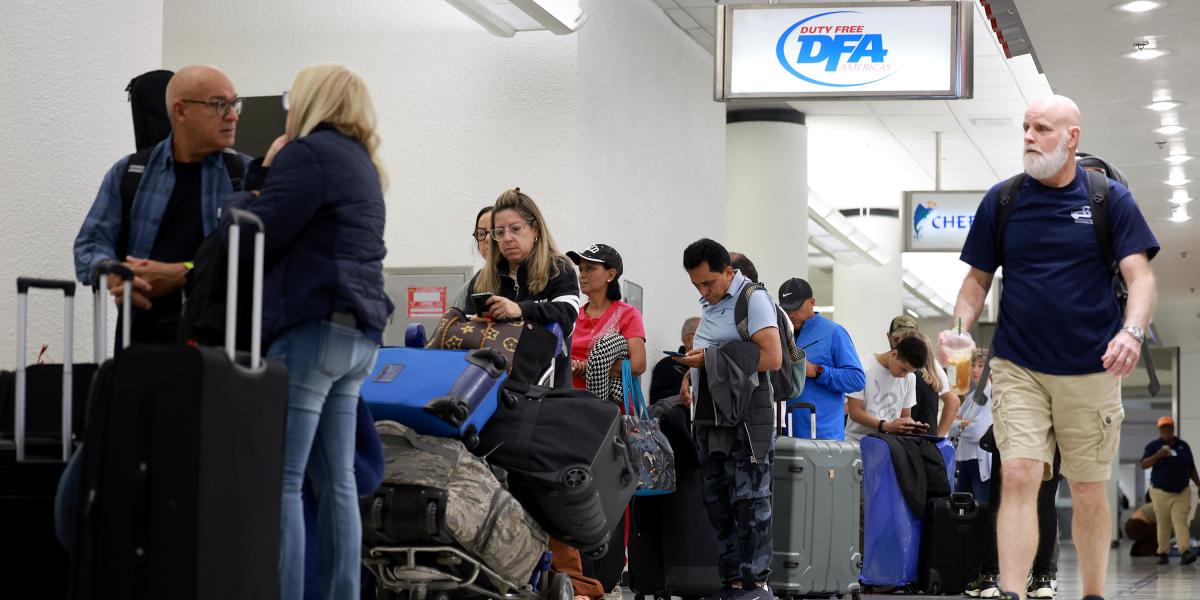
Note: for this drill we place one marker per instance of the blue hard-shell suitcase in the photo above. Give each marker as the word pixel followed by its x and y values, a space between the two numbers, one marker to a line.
pixel 446 393
pixel 892 534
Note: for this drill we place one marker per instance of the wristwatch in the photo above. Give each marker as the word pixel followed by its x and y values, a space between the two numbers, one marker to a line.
pixel 819 370
pixel 881 422
pixel 1136 332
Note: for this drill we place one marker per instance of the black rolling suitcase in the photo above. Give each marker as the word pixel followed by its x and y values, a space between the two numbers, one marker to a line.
pixel 182 471
pixel 672 547
pixel 43 409
pixel 951 548
pixel 567 461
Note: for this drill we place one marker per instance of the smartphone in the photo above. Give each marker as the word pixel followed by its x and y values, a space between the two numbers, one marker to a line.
pixel 672 353
pixel 479 302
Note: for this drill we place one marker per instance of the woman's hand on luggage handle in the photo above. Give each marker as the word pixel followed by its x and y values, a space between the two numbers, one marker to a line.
pixel 276 146
pixel 500 307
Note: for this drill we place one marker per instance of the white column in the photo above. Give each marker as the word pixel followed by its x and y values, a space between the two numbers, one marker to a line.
pixel 766 191
pixel 867 297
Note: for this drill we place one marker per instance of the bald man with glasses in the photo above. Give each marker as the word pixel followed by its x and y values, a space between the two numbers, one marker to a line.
pixel 176 198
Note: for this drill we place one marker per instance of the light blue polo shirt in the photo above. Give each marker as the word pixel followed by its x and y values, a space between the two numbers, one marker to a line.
pixel 717 324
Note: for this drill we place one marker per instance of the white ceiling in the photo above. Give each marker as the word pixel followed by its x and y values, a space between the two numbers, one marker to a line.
pixel 1078 43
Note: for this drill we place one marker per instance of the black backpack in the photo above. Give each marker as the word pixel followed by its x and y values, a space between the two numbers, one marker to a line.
pixel 147 95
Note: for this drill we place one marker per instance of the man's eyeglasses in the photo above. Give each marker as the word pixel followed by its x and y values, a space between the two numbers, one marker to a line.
pixel 220 105
pixel 516 229
pixel 480 234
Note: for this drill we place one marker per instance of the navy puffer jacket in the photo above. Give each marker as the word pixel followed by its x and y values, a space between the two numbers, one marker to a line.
pixel 323 211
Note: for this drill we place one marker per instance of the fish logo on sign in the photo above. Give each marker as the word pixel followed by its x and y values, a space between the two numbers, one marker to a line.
pixel 813 48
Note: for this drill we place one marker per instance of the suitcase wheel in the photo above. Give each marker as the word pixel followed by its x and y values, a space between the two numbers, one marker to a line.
pixel 597 553
pixel 508 400
pixel 576 478
pixel 560 588
pixel 470 439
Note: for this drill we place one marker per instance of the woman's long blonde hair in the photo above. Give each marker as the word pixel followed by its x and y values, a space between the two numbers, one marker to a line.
pixel 928 372
pixel 334 94
pixel 542 264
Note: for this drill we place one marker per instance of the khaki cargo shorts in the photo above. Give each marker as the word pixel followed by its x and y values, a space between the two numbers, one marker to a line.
pixel 1081 414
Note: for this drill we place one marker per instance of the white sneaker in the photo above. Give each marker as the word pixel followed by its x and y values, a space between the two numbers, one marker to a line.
pixel 1043 586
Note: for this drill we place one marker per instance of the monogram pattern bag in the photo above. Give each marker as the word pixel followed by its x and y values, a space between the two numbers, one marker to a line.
pixel 529 348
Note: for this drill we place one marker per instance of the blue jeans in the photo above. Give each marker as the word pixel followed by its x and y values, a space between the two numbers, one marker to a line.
pixel 326 365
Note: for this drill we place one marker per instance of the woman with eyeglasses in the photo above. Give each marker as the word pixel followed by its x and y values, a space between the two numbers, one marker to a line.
pixel 325 308
pixel 526 275
pixel 528 278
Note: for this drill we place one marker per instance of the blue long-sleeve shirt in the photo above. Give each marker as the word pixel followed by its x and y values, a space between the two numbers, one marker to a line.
pixel 97 239
pixel 832 348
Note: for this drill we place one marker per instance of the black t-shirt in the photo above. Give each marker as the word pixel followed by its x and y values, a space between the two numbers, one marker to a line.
pixel 926 408
pixel 179 235
pixel 1171 474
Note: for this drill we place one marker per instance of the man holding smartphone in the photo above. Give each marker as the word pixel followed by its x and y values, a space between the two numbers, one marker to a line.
pixel 1171 465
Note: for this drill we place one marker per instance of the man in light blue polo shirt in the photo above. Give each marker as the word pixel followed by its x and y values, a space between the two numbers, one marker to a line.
pixel 735 461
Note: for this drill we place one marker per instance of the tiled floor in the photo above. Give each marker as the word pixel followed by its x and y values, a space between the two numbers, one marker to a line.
pixel 1128 579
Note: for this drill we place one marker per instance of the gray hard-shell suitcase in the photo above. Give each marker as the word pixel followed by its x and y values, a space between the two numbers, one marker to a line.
pixel 817 492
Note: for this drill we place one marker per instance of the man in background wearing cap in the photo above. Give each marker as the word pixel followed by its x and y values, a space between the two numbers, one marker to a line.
pixel 833 366
pixel 1171 464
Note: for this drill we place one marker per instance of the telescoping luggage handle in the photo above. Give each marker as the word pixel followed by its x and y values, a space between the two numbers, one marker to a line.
pixel 24 284
pixel 812 417
pixel 244 216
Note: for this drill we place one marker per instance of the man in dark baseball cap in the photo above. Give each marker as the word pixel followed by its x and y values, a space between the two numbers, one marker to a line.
pixel 605 255
pixel 794 293
pixel 833 366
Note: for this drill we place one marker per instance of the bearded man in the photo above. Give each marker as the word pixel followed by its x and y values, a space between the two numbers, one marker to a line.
pixel 1062 342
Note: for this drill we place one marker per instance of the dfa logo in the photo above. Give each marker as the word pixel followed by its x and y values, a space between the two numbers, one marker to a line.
pixel 834 51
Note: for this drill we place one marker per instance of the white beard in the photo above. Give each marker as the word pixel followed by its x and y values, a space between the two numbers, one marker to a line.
pixel 1044 166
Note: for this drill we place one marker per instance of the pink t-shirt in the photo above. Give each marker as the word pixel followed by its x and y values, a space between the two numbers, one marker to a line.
pixel 620 317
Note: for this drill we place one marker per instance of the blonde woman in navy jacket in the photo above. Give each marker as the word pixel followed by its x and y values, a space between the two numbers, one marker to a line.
pixel 321 202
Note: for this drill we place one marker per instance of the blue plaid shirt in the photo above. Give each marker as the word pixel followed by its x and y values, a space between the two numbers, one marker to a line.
pixel 97 239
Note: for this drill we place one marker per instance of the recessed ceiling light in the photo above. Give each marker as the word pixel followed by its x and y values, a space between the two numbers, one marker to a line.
pixel 1139 6
pixel 1171 129
pixel 1176 159
pixel 1146 53
pixel 1164 105
pixel 1179 215
pixel 1180 197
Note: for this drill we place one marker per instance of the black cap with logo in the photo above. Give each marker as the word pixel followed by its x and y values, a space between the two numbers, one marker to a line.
pixel 793 293
pixel 607 256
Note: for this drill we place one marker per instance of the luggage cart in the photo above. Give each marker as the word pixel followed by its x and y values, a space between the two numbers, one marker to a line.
pixel 447 572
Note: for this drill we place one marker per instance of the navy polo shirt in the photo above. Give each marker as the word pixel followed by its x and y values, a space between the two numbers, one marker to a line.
pixel 1059 310
pixel 1171 474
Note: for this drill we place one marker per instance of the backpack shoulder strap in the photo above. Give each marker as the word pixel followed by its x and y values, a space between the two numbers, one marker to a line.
pixel 741 309
pixel 1098 192
pixel 1009 193
pixel 234 167
pixel 129 186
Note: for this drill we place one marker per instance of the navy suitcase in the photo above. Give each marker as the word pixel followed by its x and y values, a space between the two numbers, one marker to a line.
pixel 444 393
